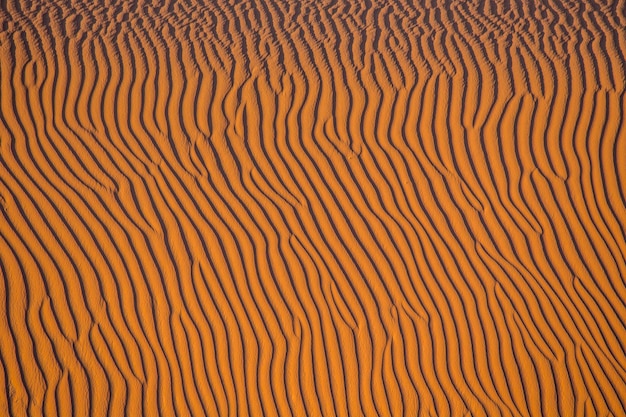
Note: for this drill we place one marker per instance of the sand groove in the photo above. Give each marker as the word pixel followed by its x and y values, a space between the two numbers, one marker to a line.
pixel 307 208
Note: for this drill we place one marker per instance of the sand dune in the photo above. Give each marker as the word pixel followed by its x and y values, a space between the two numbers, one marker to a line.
pixel 312 208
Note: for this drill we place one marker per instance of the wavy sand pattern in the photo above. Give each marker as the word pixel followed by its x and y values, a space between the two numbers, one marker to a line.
pixel 313 208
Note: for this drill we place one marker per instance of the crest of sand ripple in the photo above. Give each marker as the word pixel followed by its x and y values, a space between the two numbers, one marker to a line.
pixel 307 208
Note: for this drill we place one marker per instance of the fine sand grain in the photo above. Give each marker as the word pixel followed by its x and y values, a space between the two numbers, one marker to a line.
pixel 312 208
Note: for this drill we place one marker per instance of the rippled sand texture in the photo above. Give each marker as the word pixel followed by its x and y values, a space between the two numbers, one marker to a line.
pixel 312 208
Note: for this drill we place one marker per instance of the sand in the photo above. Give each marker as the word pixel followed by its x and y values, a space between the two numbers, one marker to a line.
pixel 312 208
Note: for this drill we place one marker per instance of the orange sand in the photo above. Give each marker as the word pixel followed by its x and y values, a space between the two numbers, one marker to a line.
pixel 312 208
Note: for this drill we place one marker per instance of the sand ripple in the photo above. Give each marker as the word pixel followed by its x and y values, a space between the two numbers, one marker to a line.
pixel 312 208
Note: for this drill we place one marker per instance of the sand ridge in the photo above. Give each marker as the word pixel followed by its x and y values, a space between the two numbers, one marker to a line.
pixel 307 208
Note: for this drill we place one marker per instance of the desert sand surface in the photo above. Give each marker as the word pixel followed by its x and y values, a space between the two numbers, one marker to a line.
pixel 312 208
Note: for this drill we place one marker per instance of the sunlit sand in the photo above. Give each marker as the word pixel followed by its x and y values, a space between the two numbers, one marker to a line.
pixel 312 208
